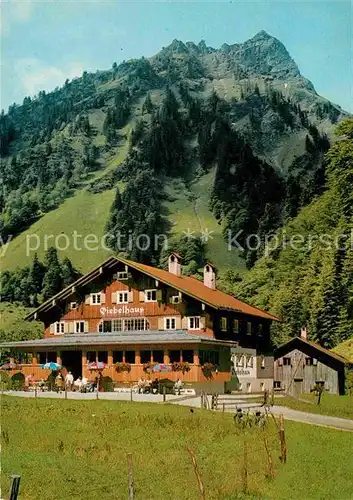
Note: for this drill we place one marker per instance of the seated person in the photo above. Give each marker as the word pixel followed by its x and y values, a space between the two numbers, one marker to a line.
pixel 84 383
pixel 78 384
pixel 178 386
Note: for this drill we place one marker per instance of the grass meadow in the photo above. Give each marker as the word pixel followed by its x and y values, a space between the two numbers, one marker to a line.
pixel 331 404
pixel 78 450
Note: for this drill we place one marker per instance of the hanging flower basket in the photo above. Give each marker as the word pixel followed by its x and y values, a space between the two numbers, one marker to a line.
pixel 208 369
pixel 148 367
pixel 181 366
pixel 123 367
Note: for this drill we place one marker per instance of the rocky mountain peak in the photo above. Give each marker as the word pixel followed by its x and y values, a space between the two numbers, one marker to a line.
pixel 266 55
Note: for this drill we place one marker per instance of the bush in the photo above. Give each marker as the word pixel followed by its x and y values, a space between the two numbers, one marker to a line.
pixel 107 384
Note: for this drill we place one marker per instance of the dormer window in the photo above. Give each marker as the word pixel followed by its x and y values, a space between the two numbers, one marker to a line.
pixel 73 305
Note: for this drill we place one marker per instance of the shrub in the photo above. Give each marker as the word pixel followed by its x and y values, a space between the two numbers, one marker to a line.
pixel 208 369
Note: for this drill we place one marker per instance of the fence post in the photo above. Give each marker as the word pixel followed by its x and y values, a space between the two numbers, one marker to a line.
pixel 164 394
pixel 245 468
pixel 271 472
pixel 130 393
pixel 35 391
pixel 131 476
pixel 272 396
pixel 282 439
pixel 15 487
pixel 197 474
pixel 65 391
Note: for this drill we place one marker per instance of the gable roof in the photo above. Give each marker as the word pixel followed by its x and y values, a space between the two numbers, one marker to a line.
pixel 185 284
pixel 305 345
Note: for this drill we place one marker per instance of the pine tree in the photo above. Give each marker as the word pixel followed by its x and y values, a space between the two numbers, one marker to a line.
pixel 37 274
pixel 69 273
pixel 53 279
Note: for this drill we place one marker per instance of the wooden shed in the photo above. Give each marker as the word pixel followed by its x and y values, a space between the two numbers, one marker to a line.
pixel 301 364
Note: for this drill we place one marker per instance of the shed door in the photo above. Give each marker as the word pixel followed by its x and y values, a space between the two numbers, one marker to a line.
pixel 298 387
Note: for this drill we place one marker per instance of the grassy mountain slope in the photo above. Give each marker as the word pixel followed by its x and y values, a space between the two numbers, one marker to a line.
pixel 243 77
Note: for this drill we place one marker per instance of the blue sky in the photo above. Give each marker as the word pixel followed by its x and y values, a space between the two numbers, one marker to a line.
pixel 44 42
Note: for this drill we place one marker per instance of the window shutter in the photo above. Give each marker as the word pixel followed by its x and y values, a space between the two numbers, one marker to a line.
pixel 184 323
pixel 114 298
pixel 87 299
pixel 66 327
pixel 280 361
pixel 86 326
pixel 160 323
pixel 178 323
pixel 71 327
pixel 142 296
pixel 52 328
pixel 159 295
pixel 102 298
pixel 202 322
pixel 131 296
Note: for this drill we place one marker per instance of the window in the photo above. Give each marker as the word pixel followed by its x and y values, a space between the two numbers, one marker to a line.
pixel 79 326
pixel 287 362
pixel 260 329
pixel 158 356
pixel 235 326
pixel 248 328
pixel 150 295
pixel 209 357
pixel 122 297
pixel 95 298
pixel 130 357
pixel 174 356
pixel 116 325
pixel 42 358
pixel 136 324
pixel 103 356
pixel 223 324
pixel 169 324
pixel 262 362
pixel 309 361
pixel 121 275
pixel 145 357
pixel 188 356
pixel 59 328
pixel 91 356
pixel 194 323
pixel 248 387
pixel 249 361
pixel 277 384
pixel 51 356
pixel 262 386
pixel 122 325
pixel 117 356
pixel 73 305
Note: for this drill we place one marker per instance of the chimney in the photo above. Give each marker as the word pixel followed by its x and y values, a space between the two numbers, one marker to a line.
pixel 303 333
pixel 174 265
pixel 209 276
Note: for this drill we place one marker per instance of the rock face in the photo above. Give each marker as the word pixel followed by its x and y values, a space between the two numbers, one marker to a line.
pixel 265 55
